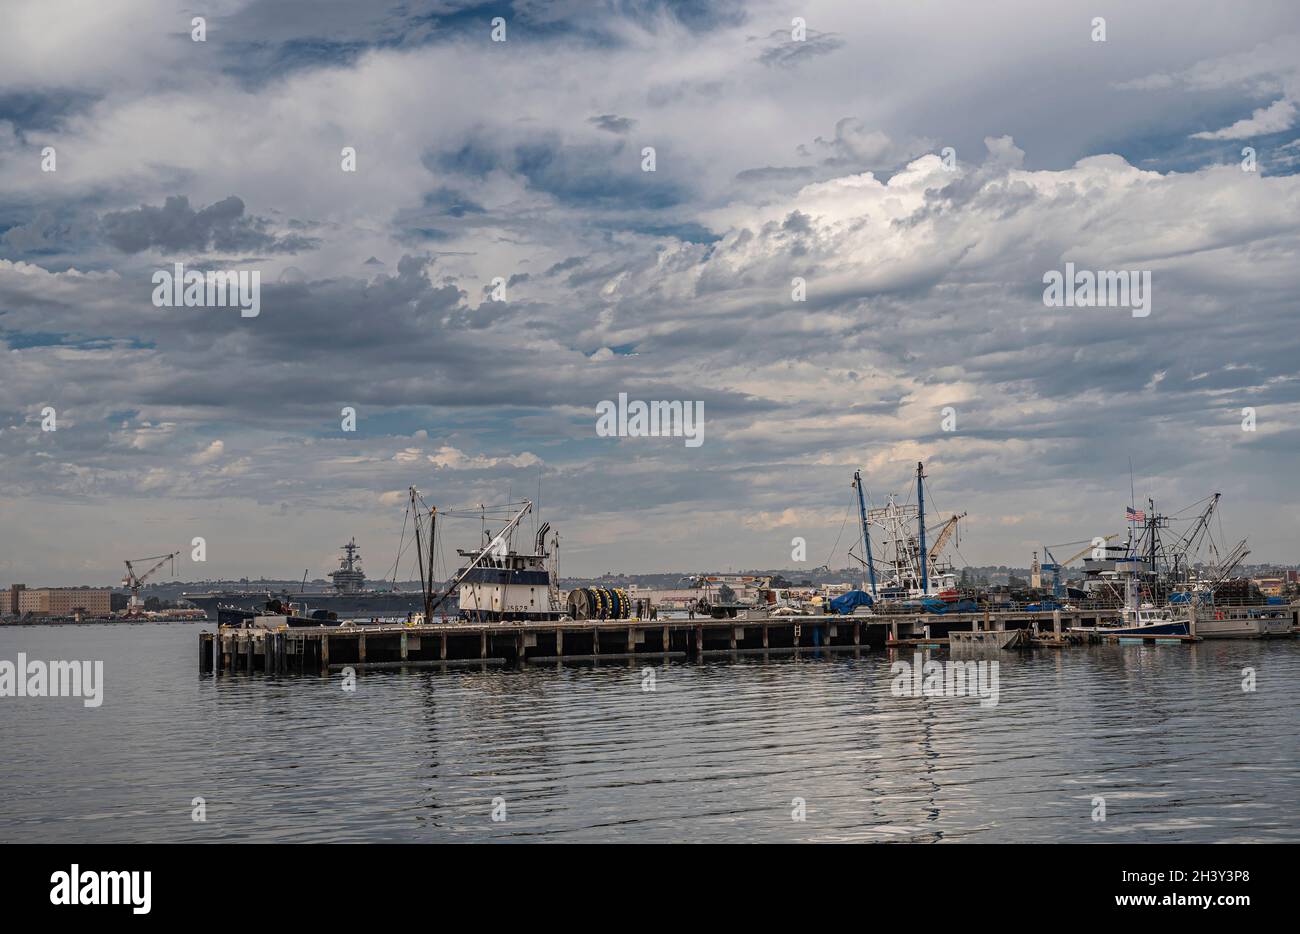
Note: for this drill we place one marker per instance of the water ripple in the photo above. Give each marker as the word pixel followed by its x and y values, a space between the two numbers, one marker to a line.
pixel 718 752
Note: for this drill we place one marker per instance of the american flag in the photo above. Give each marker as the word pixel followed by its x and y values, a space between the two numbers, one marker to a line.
pixel 1135 515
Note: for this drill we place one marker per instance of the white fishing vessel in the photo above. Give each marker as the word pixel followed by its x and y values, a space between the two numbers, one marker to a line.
pixel 1139 619
pixel 902 567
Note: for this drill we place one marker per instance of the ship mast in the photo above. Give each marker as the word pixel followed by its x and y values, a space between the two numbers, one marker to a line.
pixel 866 534
pixel 426 576
pixel 920 524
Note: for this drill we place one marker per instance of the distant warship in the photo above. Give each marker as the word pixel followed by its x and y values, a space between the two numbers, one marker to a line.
pixel 349 598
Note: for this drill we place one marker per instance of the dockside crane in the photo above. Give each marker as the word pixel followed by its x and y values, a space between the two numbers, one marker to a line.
pixel 945 532
pixel 1051 564
pixel 133 582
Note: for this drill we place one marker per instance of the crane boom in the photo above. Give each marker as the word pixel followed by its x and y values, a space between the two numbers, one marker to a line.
pixel 945 533
pixel 1076 557
pixel 133 581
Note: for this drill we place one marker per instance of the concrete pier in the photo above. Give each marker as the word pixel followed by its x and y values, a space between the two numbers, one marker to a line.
pixel 320 649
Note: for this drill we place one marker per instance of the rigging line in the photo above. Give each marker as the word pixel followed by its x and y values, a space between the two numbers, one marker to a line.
pixel 401 542
pixel 831 557
pixel 403 551
pixel 1204 499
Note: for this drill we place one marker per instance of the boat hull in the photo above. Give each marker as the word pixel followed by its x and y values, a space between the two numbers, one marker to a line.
pixel 1176 627
pixel 1242 627
pixel 998 638
pixel 382 604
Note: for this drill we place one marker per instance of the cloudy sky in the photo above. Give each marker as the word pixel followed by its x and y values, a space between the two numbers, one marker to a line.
pixel 521 160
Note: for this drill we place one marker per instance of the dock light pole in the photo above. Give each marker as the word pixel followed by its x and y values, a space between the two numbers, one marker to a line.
pixel 866 534
pixel 920 506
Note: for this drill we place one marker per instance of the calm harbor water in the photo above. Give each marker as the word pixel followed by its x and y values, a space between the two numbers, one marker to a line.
pixel 717 752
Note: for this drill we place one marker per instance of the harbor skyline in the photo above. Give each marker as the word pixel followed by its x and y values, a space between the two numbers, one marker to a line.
pixel 853 277
pixel 649 422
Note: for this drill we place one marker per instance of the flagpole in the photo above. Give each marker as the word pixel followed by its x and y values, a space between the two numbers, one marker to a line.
pixel 1132 516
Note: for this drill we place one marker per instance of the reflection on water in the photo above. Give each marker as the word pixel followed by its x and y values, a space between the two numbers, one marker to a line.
pixel 718 752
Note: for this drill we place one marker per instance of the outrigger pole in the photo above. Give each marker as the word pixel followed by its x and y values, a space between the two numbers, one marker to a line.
pixel 920 505
pixel 866 534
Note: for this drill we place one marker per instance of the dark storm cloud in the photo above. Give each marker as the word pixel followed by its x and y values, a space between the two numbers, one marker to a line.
pixel 266 40
pixel 770 173
pixel 176 226
pixel 43 110
pixel 49 232
pixel 612 123
pixel 592 176
pixel 416 339
pixel 565 265
pixel 783 51
pixel 922 291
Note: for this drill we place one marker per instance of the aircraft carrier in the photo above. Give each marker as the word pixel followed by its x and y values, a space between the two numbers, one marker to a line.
pixel 348 599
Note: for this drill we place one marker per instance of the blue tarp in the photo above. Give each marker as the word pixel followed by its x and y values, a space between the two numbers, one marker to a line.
pixel 845 603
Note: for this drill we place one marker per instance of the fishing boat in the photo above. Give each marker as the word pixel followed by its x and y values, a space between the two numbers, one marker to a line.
pixel 1139 619
pixel 908 572
pixel 1243 622
pixel 1148 620
pixel 497 582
